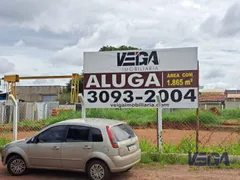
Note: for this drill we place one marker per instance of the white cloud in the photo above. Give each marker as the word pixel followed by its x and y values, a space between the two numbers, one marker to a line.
pixel 191 4
pixel 29 61
pixel 6 66
pixel 19 43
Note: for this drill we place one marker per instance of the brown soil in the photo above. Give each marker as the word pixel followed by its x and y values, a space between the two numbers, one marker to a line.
pixel 170 136
pixel 20 128
pixel 144 172
pixel 175 136
pixel 232 122
pixel 232 126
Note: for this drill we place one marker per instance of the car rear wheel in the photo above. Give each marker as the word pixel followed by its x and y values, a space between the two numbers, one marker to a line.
pixel 98 170
pixel 16 166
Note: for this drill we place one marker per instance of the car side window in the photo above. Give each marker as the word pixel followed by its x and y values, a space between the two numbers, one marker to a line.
pixel 54 134
pixel 78 133
pixel 96 135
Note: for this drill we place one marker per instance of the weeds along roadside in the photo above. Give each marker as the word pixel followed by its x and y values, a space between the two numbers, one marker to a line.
pixel 177 154
pixel 143 117
pixel 137 117
pixel 171 154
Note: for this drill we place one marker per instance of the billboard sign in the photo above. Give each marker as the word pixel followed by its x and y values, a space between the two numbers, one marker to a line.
pixel 127 79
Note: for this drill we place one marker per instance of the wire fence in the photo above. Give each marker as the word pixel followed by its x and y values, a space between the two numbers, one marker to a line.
pixel 216 127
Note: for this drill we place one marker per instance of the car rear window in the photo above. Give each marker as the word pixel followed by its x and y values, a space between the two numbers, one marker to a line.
pixel 96 135
pixel 122 132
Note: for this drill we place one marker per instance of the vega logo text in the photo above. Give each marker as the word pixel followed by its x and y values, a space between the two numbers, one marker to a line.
pixel 208 159
pixel 137 58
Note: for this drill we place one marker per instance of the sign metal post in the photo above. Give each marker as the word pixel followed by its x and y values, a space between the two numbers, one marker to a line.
pixel 159 137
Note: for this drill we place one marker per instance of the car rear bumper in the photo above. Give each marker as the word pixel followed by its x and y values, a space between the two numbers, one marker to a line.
pixel 126 162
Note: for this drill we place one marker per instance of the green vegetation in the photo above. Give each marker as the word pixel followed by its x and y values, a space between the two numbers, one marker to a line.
pixel 188 145
pixel 232 114
pixel 63 116
pixel 64 97
pixel 3 141
pixel 168 155
pixel 141 117
pixel 169 152
pixel 163 159
pixel 232 165
pixel 138 117
pixel 189 116
pixel 120 48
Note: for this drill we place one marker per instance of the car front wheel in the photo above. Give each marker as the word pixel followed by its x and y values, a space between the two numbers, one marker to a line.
pixel 98 170
pixel 16 166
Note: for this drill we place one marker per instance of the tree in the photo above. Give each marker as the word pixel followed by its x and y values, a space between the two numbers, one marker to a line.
pixel 65 97
pixel 120 48
pixel 68 88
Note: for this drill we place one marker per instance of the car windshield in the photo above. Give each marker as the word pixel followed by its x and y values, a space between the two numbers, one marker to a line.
pixel 122 132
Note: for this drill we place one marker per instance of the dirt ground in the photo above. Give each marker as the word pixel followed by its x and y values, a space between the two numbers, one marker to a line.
pixel 170 136
pixel 146 172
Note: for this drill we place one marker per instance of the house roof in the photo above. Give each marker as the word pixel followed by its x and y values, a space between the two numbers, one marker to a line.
pixel 211 97
pixel 212 90
pixel 237 96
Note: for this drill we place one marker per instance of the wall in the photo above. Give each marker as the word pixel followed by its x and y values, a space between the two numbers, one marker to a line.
pixel 232 104
pixel 36 93
pixel 27 111
pixel 232 91
pixel 73 107
pixel 208 105
pixel 6 112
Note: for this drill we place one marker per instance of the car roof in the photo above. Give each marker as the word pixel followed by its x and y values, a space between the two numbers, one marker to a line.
pixel 90 122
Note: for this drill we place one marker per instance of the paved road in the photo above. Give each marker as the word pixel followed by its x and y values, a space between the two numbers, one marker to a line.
pixel 173 172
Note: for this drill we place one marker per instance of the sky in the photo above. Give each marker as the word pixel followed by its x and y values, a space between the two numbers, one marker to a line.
pixel 49 37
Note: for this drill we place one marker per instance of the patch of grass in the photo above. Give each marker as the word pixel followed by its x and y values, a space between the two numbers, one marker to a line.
pixel 232 165
pixel 146 158
pixel 141 117
pixel 64 115
pixel 186 145
pixel 189 145
pixel 146 146
pixel 162 159
pixel 232 114
pixel 189 116
pixel 138 117
pixel 34 125
pixel 134 117
pixel 3 141
pixel 168 154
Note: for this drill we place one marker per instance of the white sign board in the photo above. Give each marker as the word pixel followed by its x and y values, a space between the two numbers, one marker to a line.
pixel 129 79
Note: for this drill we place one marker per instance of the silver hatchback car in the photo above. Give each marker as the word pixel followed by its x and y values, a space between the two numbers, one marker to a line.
pixel 99 147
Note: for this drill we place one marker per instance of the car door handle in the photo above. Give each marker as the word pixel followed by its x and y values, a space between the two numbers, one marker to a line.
pixel 86 147
pixel 55 148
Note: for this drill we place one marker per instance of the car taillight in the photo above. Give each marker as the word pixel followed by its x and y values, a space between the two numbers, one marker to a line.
pixel 111 137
